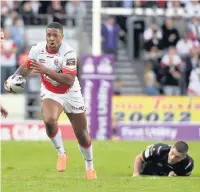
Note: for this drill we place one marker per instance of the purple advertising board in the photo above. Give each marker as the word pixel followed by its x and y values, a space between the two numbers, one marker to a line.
pixel 97 88
pixel 160 132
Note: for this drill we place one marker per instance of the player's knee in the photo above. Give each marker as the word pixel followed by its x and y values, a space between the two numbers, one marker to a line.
pixel 50 120
pixel 51 125
pixel 84 138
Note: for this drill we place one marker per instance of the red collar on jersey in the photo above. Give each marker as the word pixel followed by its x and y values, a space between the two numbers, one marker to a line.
pixel 50 52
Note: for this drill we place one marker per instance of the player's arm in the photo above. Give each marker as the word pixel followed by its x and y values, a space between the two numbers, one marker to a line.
pixel 148 155
pixel 23 70
pixel 62 78
pixel 137 164
pixel 185 171
pixel 69 70
pixel 172 174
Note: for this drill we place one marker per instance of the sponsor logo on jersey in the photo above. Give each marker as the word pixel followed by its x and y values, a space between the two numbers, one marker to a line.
pixel 50 56
pixel 53 82
pixel 56 61
pixel 42 61
pixel 42 52
pixel 169 166
pixel 78 108
pixel 147 153
pixel 158 151
pixel 189 164
pixel 160 164
pixel 71 62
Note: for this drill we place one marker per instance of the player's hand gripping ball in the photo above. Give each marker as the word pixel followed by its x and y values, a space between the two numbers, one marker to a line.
pixel 15 84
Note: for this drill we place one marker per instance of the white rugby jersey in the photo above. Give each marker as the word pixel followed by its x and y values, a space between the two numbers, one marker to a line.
pixel 165 61
pixel 63 61
pixel 194 84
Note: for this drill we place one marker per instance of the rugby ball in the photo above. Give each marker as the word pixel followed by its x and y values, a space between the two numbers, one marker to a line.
pixel 15 84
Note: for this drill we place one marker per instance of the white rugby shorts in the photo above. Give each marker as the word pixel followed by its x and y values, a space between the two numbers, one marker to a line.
pixel 72 101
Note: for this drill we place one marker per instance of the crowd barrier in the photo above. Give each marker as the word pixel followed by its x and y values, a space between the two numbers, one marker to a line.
pixel 134 117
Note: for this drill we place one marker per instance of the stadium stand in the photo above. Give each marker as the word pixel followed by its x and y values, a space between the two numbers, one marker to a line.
pixel 159 58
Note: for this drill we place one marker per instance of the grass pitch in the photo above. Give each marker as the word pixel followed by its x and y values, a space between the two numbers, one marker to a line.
pixel 30 167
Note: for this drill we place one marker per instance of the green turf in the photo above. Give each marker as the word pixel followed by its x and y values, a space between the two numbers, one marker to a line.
pixel 30 167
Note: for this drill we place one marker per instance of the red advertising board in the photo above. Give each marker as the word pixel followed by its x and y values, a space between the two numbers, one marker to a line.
pixel 32 130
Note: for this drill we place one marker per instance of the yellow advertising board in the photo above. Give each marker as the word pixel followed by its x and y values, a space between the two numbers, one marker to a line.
pixel 63 117
pixel 156 109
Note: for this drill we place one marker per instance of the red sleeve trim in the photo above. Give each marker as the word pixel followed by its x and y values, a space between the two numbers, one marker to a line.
pixel 74 72
pixel 28 63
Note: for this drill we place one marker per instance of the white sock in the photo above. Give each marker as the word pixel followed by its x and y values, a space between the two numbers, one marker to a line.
pixel 88 156
pixel 58 143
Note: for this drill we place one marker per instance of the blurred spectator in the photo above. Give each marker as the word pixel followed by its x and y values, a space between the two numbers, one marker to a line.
pixel 184 2
pixel 154 48
pixel 75 10
pixel 28 14
pixel 173 4
pixel 149 32
pixel 152 55
pixel 153 4
pixel 121 20
pixel 23 57
pixel 194 28
pixel 44 5
pixel 171 77
pixel 151 85
pixel 8 22
pixel 170 34
pixel 191 63
pixel 8 58
pixel 138 30
pixel 35 6
pixel 4 8
pixel 13 5
pixel 110 4
pixel 153 58
pixel 137 3
pixel 1 38
pixel 17 33
pixel 115 134
pixel 118 86
pixel 154 42
pixel 110 35
pixel 184 45
pixel 171 73
pixel 192 6
pixel 171 58
pixel 57 11
pixel 194 83
pixel 128 3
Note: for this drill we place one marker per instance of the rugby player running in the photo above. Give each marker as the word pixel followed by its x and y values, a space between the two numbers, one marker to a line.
pixel 56 61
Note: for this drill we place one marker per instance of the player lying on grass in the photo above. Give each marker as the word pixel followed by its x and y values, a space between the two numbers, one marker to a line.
pixel 56 62
pixel 164 160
